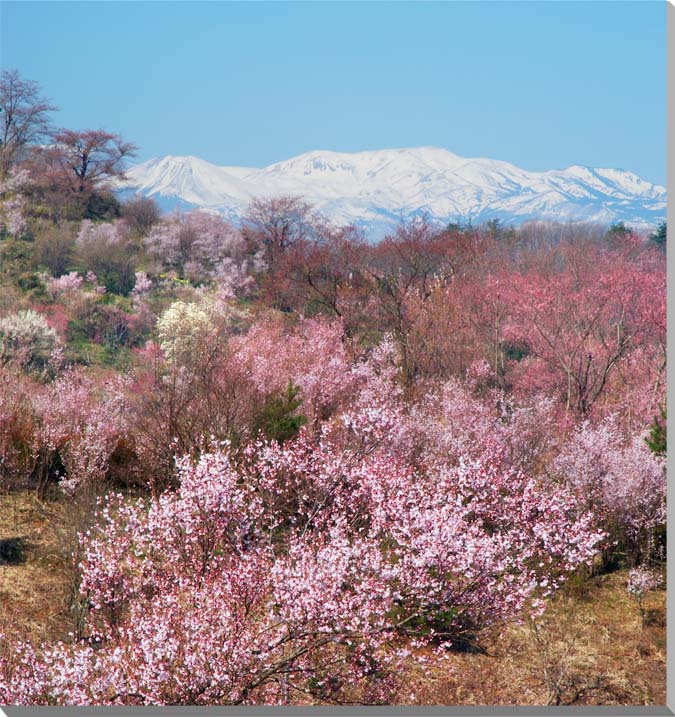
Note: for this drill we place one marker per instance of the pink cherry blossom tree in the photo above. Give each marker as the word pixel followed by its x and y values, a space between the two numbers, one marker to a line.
pixel 209 595
pixel 620 480
pixel 199 246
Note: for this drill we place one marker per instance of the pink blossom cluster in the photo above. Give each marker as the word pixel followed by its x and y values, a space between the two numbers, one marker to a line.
pixel 13 203
pixel 449 423
pixel 582 325
pixel 65 283
pixel 199 245
pixel 621 480
pixel 143 284
pixel 66 430
pixel 12 217
pixel 107 233
pixel 640 581
pixel 82 423
pixel 312 355
pixel 294 572
pixel 189 604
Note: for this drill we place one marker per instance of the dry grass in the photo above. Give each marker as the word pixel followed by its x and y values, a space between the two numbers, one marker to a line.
pixel 35 568
pixel 589 648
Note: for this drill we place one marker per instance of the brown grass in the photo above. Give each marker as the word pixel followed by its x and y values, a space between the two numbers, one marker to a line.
pixel 35 586
pixel 589 648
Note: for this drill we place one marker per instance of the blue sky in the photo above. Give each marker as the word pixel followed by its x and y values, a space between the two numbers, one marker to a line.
pixel 540 84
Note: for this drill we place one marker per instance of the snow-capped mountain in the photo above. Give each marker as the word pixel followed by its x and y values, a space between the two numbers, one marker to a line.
pixel 379 188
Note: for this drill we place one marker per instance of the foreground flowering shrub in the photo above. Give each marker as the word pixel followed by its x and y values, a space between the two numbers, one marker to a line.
pixel 304 572
pixel 640 581
pixel 476 539
pixel 189 604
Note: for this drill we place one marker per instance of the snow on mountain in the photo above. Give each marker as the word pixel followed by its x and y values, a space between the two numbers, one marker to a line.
pixel 379 188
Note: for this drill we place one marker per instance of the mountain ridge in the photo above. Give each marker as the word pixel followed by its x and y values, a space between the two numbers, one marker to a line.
pixel 378 188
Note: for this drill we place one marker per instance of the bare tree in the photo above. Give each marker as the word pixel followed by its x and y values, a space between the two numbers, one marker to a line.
pixel 90 157
pixel 24 117
pixel 278 224
pixel 73 176
pixel 141 213
pixel 403 269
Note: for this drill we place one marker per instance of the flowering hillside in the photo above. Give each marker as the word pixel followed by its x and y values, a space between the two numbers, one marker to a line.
pixel 286 465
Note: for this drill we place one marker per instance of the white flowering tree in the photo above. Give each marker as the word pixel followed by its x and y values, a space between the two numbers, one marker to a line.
pixel 26 339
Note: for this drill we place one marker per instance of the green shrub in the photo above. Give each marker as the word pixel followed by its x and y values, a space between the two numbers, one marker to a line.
pixel 278 420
